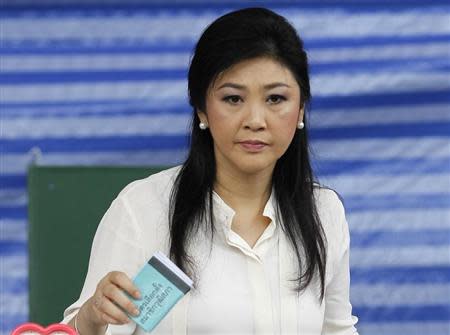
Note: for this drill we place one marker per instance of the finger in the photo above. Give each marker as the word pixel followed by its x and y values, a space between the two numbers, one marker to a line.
pixel 110 312
pixel 119 298
pixel 109 320
pixel 124 282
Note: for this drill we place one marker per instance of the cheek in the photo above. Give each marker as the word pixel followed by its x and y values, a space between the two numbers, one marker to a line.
pixel 221 126
pixel 292 119
pixel 286 127
pixel 222 121
pixel 215 119
pixel 288 120
pixel 214 112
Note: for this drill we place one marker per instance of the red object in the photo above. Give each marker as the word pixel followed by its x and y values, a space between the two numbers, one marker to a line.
pixel 56 328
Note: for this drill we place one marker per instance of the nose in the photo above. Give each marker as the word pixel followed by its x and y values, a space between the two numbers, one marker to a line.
pixel 255 118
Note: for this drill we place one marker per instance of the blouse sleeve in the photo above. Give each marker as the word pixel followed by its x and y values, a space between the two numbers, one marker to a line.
pixel 115 247
pixel 338 310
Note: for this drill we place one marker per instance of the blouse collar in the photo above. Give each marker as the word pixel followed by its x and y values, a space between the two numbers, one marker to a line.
pixel 225 213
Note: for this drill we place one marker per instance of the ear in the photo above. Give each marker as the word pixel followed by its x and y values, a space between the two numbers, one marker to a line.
pixel 202 116
pixel 301 114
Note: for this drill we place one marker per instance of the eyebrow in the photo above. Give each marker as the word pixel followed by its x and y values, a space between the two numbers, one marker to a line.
pixel 242 87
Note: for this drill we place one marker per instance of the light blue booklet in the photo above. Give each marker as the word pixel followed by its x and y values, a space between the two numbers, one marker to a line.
pixel 161 284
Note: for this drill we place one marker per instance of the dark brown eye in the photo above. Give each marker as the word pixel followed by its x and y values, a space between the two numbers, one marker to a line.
pixel 275 99
pixel 232 99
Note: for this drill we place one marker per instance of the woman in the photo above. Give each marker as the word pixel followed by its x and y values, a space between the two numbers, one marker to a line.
pixel 266 246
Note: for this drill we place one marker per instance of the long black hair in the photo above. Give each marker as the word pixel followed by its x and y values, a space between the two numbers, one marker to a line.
pixel 237 36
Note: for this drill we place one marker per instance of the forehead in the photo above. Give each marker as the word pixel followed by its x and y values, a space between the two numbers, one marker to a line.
pixel 262 70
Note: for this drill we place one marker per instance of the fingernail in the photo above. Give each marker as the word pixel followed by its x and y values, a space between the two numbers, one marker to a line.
pixel 137 294
pixel 136 312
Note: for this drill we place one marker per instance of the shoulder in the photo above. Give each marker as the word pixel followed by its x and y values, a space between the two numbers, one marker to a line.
pixel 154 187
pixel 149 198
pixel 331 211
pixel 140 211
pixel 328 201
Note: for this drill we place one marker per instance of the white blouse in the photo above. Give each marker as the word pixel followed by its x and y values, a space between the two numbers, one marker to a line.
pixel 241 290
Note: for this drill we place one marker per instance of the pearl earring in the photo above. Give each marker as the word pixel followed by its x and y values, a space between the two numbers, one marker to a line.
pixel 202 125
pixel 300 125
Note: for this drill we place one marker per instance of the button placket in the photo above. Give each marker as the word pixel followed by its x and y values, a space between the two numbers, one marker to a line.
pixel 241 246
pixel 262 299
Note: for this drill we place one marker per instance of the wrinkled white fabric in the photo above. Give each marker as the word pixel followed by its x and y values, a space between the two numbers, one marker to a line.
pixel 241 290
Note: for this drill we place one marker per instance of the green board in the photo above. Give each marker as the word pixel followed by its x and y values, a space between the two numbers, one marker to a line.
pixel 65 206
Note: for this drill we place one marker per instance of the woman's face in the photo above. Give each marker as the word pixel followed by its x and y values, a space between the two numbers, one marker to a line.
pixel 252 110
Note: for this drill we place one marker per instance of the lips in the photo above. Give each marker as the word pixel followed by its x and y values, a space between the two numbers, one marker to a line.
pixel 253 145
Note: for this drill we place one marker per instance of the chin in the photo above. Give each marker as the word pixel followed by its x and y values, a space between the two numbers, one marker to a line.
pixel 255 167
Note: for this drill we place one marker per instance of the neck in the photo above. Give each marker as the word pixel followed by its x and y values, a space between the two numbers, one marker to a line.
pixel 244 190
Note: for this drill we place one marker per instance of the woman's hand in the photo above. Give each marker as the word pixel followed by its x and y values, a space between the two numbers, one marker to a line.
pixel 109 301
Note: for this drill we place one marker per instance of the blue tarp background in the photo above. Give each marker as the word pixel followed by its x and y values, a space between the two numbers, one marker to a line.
pixel 103 82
